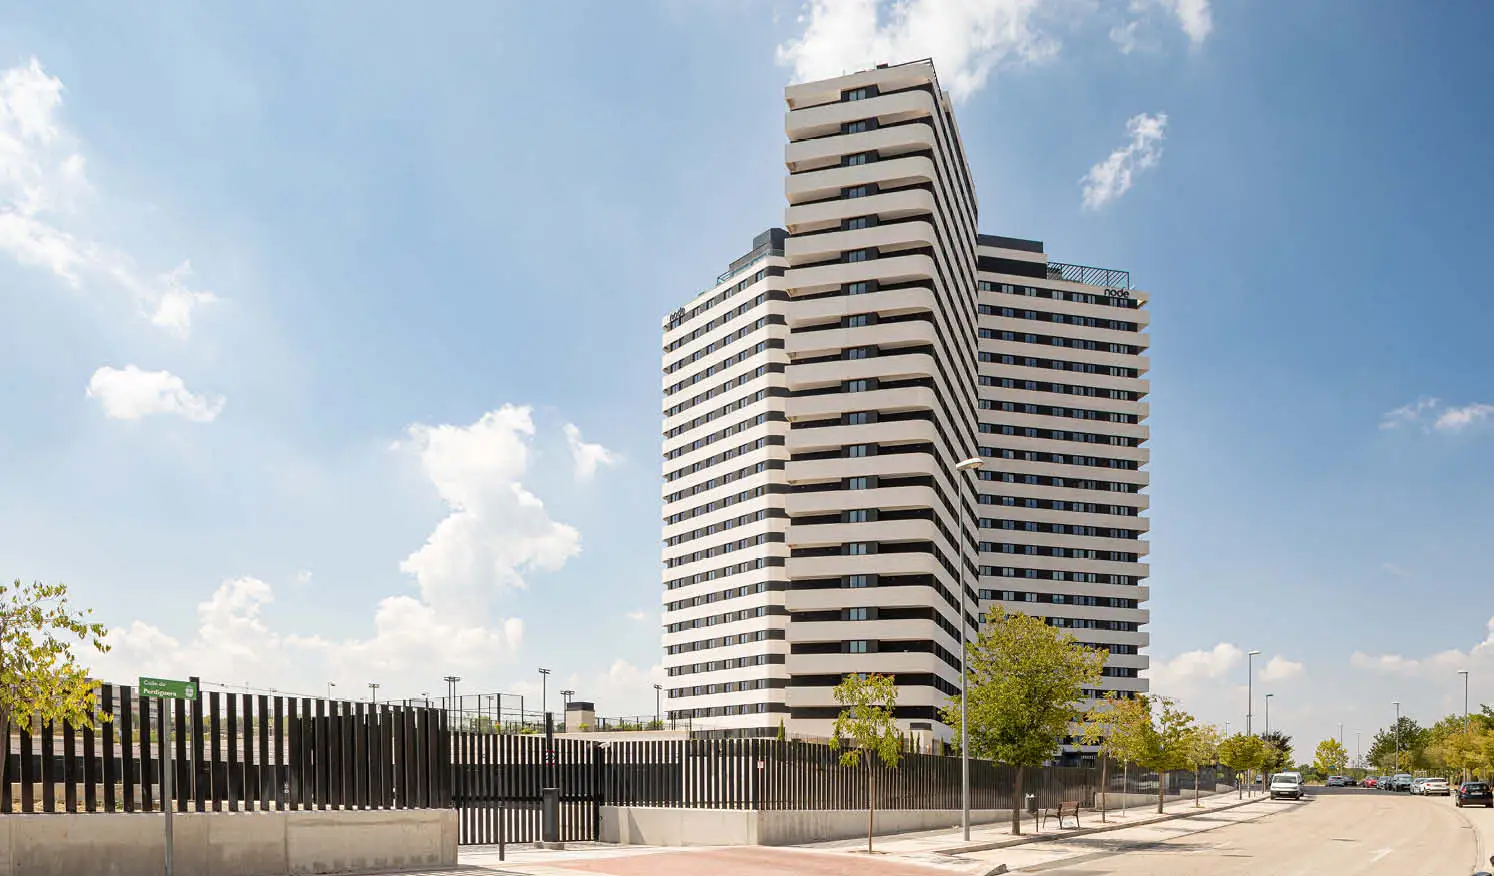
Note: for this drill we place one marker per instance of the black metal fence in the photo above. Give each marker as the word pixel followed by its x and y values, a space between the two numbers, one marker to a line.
pixel 231 752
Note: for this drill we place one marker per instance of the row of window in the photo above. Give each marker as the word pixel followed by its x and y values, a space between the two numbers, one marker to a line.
pixel 1059 435
pixel 720 434
pixel 683 316
pixel 1011 407
pixel 727 711
pixel 728 663
pixel 723 572
pixel 724 687
pixel 719 596
pixel 720 549
pixel 1058 599
pixel 1039 550
pixel 1055 575
pixel 710 371
pixel 1066 483
pixel 725 340
pixel 724 641
pixel 1052 364
pixel 717 505
pixel 723 319
pixel 1054 458
pixel 711 621
pixel 1058 528
pixel 722 456
pixel 728 386
pixel 1058 505
pixel 723 525
pixel 1066 319
pixel 1059 295
pixel 721 479
pixel 1056 341
pixel 1059 388
pixel 729 408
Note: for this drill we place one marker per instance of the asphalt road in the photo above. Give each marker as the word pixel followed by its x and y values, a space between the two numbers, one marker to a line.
pixel 1334 831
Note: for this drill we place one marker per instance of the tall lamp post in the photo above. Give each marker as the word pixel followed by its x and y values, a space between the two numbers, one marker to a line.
pixel 658 690
pixel 1250 691
pixel 1397 705
pixel 1464 673
pixel 373 692
pixel 451 683
pixel 330 685
pixel 544 690
pixel 1268 713
pixel 971 465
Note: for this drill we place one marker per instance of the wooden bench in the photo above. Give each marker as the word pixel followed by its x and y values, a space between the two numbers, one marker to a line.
pixel 1066 809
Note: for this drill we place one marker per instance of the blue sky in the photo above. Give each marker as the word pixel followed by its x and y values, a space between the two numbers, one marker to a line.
pixel 423 243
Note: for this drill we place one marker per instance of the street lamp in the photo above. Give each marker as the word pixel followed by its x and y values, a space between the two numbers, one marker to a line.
pixel 971 465
pixel 1397 705
pixel 658 689
pixel 451 683
pixel 1464 673
pixel 544 684
pixel 1268 713
pixel 373 692
pixel 1249 690
pixel 330 685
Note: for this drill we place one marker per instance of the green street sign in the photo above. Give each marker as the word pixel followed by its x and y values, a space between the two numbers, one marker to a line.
pixel 168 689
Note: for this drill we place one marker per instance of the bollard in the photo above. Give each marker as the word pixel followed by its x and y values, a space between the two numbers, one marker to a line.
pixel 1032 808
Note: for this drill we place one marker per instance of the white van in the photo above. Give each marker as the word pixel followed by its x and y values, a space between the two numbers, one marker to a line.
pixel 1286 785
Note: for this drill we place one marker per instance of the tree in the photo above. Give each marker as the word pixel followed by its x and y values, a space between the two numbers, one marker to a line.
pixel 782 733
pixel 1154 733
pixel 1331 758
pixel 40 676
pixel 1095 730
pixel 1242 753
pixel 1203 749
pixel 1278 751
pixel 868 703
pixel 1382 751
pixel 1026 681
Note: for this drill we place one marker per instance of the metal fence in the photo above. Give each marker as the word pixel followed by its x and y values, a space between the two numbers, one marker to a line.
pixel 231 752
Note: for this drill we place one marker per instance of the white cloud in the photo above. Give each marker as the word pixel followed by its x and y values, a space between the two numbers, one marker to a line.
pixel 497 530
pixel 1112 177
pixel 1193 16
pixel 130 394
pixel 42 180
pixel 410 635
pixel 231 641
pixel 303 577
pixel 1192 667
pixel 966 38
pixel 637 615
pixel 1431 414
pixel 587 457
pixel 1279 668
pixel 1435 665
pixel 1124 36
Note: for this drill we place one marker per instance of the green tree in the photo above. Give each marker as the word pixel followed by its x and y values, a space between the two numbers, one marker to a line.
pixel 782 733
pixel 40 676
pixel 1244 754
pixel 1026 682
pixel 1094 730
pixel 1203 750
pixel 1155 734
pixel 1382 751
pixel 1330 759
pixel 868 705
pixel 1278 751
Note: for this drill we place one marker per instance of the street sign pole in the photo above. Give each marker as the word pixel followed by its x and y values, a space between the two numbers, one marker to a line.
pixel 165 689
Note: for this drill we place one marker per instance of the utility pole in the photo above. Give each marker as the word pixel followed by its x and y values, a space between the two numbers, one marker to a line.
pixel 1464 673
pixel 1397 705
pixel 1250 690
pixel 451 683
pixel 330 685
pixel 971 465
pixel 544 685
pixel 373 692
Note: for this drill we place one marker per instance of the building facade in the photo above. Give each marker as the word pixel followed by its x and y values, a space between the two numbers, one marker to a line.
pixel 818 398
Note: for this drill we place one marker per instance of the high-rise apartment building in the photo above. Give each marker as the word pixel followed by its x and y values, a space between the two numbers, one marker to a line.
pixel 818 398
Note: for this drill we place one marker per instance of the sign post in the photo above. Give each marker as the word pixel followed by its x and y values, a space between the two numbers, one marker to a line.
pixel 166 689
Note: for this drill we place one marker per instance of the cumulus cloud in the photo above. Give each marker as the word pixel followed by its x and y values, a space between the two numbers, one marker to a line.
pixel 43 181
pixel 1111 178
pixel 1437 664
pixel 1279 668
pixel 967 39
pixel 132 394
pixel 497 530
pixel 1192 667
pixel 1125 36
pixel 1193 16
pixel 1430 414
pixel 586 457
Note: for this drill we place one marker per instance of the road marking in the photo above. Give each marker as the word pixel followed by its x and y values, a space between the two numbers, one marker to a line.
pixel 1380 853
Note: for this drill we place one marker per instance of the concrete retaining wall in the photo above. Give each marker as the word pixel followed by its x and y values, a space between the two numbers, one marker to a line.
pixel 662 826
pixel 228 843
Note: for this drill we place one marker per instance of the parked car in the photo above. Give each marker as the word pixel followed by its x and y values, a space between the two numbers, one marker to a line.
pixel 1416 785
pixel 1401 782
pixel 1336 782
pixel 1286 785
pixel 1434 787
pixel 1370 781
pixel 1474 794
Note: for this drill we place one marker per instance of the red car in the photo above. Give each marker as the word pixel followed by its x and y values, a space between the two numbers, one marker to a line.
pixel 1369 782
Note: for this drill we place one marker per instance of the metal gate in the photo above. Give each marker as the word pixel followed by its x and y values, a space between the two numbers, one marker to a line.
pixel 497 779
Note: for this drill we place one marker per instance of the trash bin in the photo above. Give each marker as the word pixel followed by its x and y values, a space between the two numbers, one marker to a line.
pixel 1031 801
pixel 550 815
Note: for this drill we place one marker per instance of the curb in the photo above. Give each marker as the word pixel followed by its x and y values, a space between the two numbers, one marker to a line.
pixel 953 851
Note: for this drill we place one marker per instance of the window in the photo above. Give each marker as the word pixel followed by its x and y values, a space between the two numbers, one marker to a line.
pixel 860 255
pixel 858 646
pixel 859 352
pixel 860 320
pixel 857 614
pixel 859 126
pixel 862 483
pixel 856 451
pixel 858 159
pixel 856 386
pixel 858 548
pixel 859 418
pixel 860 222
pixel 860 515
pixel 856 191
pixel 858 581
pixel 861 93
pixel 859 288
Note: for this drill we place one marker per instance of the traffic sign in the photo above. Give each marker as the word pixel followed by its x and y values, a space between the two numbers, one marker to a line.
pixel 168 688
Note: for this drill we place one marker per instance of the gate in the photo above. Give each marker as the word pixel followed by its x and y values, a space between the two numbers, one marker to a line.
pixel 497 779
